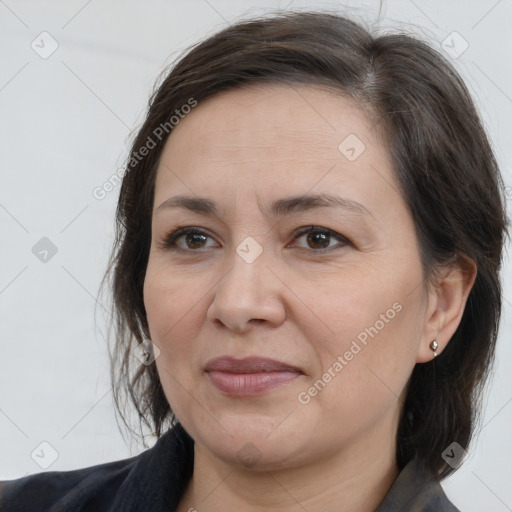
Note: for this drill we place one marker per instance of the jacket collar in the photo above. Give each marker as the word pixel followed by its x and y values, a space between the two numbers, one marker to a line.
pixel 158 479
pixel 160 476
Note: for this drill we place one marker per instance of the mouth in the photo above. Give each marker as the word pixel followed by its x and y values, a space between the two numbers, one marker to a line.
pixel 249 376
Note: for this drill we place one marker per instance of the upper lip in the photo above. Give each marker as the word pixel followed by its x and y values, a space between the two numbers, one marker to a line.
pixel 230 364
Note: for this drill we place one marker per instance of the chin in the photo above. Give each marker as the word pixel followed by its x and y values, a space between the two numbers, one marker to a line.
pixel 253 445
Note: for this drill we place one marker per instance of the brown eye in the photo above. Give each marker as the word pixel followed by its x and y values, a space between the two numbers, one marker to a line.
pixel 195 240
pixel 320 239
pixel 186 239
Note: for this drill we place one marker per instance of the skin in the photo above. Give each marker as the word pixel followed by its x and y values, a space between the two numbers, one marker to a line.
pixel 243 149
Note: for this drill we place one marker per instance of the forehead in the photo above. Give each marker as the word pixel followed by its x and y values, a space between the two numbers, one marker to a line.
pixel 274 135
pixel 248 117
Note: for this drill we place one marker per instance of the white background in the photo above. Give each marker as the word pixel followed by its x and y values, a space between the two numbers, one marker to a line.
pixel 65 123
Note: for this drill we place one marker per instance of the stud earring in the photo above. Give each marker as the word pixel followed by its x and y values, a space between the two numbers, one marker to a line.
pixel 434 346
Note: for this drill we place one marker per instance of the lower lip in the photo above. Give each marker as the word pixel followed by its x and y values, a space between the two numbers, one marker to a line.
pixel 249 384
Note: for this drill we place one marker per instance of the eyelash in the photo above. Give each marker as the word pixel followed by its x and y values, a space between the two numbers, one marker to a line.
pixel 169 241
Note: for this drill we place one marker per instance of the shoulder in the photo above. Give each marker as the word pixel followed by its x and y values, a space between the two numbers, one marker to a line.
pixel 43 491
pixel 152 481
pixel 416 490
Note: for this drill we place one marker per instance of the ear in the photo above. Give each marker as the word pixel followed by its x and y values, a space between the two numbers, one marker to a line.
pixel 445 305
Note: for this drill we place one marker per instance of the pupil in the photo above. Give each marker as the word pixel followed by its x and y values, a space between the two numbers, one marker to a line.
pixel 316 239
pixel 193 239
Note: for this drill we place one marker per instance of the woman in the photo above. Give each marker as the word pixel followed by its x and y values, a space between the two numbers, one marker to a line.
pixel 309 237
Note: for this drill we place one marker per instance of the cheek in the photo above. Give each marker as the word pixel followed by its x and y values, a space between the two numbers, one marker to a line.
pixel 174 319
pixel 362 384
pixel 370 352
pixel 370 309
pixel 169 299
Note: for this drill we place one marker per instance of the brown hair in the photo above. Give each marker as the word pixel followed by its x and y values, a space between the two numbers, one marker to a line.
pixel 443 161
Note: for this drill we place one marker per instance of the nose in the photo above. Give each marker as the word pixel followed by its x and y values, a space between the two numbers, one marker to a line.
pixel 248 294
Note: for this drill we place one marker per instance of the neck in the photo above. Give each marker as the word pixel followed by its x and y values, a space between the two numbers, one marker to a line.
pixel 348 480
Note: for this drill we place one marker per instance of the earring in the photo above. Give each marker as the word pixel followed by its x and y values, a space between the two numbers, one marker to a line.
pixel 434 346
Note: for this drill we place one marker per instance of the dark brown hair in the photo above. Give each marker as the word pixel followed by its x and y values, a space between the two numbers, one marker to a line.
pixel 443 162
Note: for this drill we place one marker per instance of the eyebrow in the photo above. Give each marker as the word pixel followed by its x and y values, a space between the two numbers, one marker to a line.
pixel 278 208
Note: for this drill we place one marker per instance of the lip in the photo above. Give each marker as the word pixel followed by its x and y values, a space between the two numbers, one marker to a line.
pixel 249 376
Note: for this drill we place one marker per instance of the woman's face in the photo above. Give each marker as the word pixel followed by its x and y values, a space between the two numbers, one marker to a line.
pixel 337 309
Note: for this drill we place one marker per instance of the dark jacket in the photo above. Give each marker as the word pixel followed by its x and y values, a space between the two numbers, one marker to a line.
pixel 156 479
